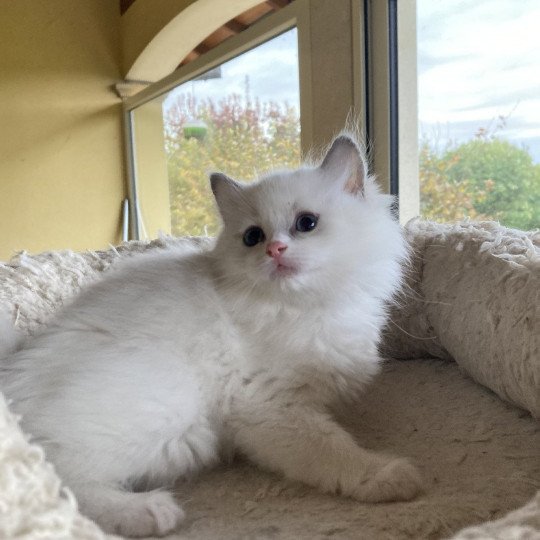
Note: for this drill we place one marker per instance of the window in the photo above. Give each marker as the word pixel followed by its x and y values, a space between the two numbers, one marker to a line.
pixel 241 117
pixel 295 75
pixel 479 110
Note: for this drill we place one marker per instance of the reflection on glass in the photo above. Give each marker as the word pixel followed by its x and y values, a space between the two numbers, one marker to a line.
pixel 479 110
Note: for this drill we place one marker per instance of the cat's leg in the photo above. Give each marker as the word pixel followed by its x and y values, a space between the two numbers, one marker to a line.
pixel 105 440
pixel 308 445
pixel 97 480
pixel 149 513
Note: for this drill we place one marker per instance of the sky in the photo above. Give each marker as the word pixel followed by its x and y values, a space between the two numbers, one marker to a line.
pixel 477 60
pixel 272 69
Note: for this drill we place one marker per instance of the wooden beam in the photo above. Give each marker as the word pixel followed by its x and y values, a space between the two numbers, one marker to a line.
pixel 277 4
pixel 235 26
pixel 202 48
pixel 190 57
pixel 217 37
pixel 249 16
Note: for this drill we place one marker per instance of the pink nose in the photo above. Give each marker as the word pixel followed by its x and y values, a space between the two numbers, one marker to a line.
pixel 275 249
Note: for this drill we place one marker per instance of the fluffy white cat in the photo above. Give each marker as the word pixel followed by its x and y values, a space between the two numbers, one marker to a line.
pixel 172 358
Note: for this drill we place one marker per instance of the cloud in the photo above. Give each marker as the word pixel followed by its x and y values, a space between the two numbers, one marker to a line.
pixel 478 61
pixel 270 70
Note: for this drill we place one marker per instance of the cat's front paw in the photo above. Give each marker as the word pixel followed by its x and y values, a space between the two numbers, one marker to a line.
pixel 155 513
pixel 397 480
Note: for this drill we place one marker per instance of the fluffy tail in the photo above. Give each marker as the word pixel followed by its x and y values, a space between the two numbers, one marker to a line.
pixel 10 339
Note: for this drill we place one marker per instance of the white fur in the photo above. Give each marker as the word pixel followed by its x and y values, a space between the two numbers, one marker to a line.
pixel 10 339
pixel 172 358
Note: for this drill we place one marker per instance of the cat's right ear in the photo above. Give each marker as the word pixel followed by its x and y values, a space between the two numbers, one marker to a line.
pixel 226 191
pixel 345 163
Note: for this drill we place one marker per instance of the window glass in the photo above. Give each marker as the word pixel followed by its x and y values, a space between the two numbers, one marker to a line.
pixel 479 110
pixel 241 118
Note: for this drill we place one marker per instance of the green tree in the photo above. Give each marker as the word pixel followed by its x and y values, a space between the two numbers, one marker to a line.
pixel 502 171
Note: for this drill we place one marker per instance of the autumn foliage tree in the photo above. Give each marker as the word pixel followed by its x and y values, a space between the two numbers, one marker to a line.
pixel 243 138
pixel 484 178
pixel 441 200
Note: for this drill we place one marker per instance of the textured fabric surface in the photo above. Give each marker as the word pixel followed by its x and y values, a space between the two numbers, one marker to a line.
pixel 32 287
pixel 473 295
pixel 479 454
pixel 32 502
pixel 522 524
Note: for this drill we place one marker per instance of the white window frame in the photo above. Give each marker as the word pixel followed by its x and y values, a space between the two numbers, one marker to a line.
pixel 338 40
pixel 393 101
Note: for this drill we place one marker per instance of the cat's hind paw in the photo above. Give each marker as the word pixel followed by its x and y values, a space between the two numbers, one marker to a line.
pixel 397 480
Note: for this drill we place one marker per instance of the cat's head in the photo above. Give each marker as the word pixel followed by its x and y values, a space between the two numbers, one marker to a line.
pixel 310 230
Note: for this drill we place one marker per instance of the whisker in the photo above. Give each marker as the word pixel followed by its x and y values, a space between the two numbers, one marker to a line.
pixel 409 334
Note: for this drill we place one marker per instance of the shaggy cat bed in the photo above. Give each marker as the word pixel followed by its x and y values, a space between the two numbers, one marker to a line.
pixel 472 297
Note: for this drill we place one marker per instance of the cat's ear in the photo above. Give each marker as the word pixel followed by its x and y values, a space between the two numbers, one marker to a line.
pixel 226 191
pixel 345 163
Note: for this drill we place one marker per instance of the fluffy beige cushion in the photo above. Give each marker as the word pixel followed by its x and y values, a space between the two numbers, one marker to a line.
pixel 32 287
pixel 473 295
pixel 32 502
pixel 522 524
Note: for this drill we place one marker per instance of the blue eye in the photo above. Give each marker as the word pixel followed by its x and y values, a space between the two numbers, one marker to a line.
pixel 306 222
pixel 253 236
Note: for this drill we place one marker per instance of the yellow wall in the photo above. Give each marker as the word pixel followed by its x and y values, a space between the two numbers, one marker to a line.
pixel 139 26
pixel 61 165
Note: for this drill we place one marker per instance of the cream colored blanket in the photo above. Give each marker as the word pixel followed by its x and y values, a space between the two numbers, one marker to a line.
pixel 472 297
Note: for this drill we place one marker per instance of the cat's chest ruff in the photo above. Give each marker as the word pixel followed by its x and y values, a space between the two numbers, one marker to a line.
pixel 270 321
pixel 284 333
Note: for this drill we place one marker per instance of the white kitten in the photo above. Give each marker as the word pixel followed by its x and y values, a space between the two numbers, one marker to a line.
pixel 149 373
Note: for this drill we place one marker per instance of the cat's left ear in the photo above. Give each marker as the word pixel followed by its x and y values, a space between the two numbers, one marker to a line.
pixel 345 163
pixel 226 191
